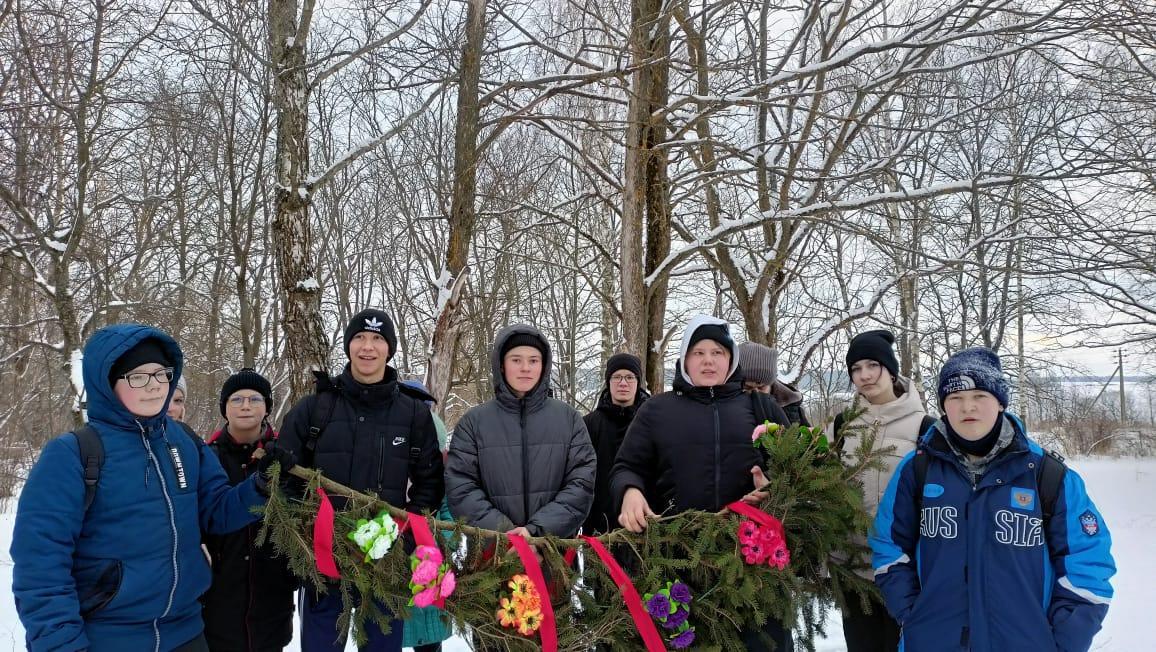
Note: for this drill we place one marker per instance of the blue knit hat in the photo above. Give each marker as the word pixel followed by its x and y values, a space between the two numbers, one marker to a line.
pixel 974 368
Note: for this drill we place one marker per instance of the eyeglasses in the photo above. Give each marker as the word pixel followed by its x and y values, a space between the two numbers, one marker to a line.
pixel 624 378
pixel 138 379
pixel 238 401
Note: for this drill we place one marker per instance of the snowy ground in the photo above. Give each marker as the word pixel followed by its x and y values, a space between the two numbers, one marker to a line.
pixel 1125 491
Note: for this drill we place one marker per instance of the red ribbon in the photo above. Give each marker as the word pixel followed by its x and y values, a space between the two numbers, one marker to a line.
pixel 758 516
pixel 569 556
pixel 548 630
pixel 323 537
pixel 642 620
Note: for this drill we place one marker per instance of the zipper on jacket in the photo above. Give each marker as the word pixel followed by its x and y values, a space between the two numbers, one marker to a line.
pixel 172 526
pixel 717 451
pixel 525 463
pixel 381 443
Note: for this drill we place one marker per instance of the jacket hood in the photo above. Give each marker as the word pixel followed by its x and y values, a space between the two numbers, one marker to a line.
pixel 896 410
pixel 502 391
pixel 695 323
pixel 103 349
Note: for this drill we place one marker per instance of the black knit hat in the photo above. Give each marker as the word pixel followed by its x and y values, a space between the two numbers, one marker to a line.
pixel 620 361
pixel 147 350
pixel 247 378
pixel 373 321
pixel 874 345
pixel 521 339
pixel 717 332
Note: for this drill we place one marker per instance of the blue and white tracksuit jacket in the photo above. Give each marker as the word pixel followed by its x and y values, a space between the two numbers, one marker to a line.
pixel 126 575
pixel 986 575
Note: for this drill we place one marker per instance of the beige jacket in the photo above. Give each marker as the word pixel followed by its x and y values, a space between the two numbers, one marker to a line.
pixel 896 425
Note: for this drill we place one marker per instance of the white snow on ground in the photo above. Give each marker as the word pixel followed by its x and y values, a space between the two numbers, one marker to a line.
pixel 1124 490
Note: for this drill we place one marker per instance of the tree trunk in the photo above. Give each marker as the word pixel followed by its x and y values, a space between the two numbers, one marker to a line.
pixel 645 211
pixel 306 345
pixel 463 213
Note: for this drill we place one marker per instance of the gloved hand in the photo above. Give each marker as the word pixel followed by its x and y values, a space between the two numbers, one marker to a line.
pixel 270 455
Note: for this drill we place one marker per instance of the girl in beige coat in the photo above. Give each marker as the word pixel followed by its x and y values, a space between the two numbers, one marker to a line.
pixel 893 412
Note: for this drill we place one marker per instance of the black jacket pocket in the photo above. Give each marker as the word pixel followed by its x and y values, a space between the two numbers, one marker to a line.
pixel 97 583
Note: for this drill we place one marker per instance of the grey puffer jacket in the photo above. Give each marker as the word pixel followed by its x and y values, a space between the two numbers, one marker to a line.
pixel 521 461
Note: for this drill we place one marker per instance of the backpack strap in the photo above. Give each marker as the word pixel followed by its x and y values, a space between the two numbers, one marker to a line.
pixel 1051 479
pixel 91 459
pixel 837 431
pixel 925 425
pixel 921 462
pixel 320 414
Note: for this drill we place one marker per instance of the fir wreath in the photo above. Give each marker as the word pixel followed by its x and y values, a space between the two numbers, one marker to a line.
pixel 816 496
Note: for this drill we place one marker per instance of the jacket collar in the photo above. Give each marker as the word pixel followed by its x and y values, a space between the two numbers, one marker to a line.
pixel 607 406
pixel 682 387
pixel 369 395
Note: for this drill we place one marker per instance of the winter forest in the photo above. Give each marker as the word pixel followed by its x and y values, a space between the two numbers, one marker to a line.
pixel 247 175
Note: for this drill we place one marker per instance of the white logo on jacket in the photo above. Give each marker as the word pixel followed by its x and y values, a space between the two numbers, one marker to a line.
pixel 939 522
pixel 1016 529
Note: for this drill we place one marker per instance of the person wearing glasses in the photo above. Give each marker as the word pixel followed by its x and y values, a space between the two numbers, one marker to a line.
pixel 249 607
pixel 607 424
pixel 126 571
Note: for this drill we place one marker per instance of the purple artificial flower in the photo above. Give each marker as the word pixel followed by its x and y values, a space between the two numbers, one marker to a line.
pixel 683 640
pixel 676 619
pixel 680 592
pixel 658 606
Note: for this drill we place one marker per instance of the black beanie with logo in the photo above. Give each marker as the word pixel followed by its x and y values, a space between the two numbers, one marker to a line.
pixel 372 320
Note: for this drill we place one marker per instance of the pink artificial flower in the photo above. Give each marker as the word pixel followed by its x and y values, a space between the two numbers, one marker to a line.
pixel 425 573
pixel 748 531
pixel 428 553
pixel 754 553
pixel 426 597
pixel 449 583
pixel 780 556
pixel 769 536
pixel 759 431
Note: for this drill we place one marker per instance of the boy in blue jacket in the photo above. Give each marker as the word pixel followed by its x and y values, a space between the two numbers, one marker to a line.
pixel 126 573
pixel 981 568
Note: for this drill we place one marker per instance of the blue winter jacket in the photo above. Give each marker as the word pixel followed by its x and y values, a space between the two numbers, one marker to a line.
pixel 127 574
pixel 985 574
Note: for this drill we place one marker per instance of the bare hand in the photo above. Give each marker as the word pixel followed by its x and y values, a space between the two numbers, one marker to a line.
pixel 521 531
pixel 760 480
pixel 635 511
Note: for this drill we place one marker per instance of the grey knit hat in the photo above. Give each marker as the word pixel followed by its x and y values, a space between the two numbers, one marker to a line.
pixel 760 363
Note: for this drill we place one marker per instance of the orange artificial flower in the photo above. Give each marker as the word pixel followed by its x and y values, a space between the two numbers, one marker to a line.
pixel 521 586
pixel 527 603
pixel 508 614
pixel 531 621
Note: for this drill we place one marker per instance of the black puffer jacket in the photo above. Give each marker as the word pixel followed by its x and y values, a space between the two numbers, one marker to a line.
pixel 607 426
pixel 521 462
pixel 249 606
pixel 693 444
pixel 378 439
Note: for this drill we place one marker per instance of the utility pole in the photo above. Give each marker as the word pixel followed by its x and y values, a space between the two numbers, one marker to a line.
pixel 1123 402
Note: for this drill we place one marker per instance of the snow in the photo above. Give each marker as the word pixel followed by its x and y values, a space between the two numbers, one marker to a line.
pixel 1122 489
pixel 57 245
pixel 310 284
pixel 444 283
